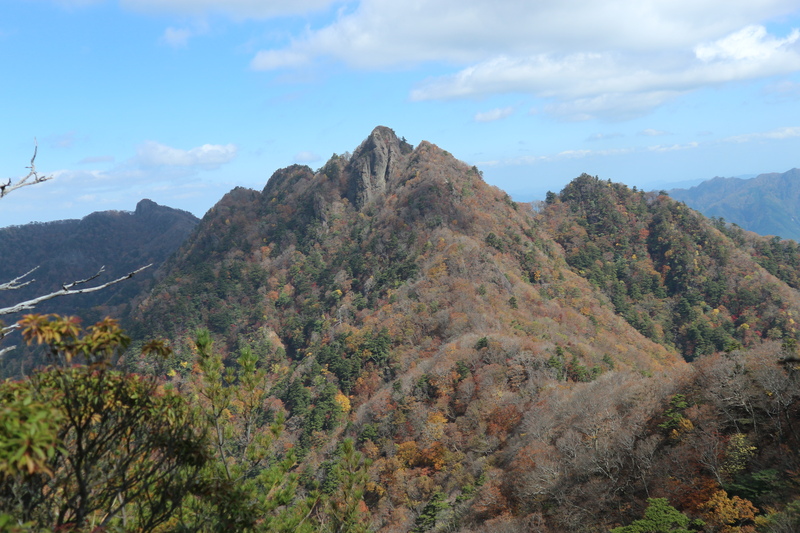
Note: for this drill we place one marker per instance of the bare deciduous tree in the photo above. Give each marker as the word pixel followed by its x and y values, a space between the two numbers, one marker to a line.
pixel 70 288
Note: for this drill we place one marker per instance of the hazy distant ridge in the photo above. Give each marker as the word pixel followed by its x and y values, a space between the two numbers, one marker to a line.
pixel 768 204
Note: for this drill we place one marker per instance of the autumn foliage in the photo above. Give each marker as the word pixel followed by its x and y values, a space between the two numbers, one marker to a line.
pixel 464 362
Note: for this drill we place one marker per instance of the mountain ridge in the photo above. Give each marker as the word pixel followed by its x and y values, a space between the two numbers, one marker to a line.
pixel 72 250
pixel 768 204
pixel 392 326
pixel 426 297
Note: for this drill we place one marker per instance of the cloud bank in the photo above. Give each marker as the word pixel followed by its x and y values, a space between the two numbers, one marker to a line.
pixel 587 59
pixel 206 157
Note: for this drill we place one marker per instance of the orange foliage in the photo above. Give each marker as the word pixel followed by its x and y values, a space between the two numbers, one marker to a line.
pixel 729 515
pixel 490 502
pixel 693 496
pixel 503 420
pixel 407 453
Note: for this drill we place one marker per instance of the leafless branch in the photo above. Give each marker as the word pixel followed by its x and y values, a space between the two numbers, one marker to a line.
pixel 32 178
pixel 68 289
pixel 75 287
pixel 15 283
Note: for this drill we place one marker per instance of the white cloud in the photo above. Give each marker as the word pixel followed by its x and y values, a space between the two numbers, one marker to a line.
pixel 381 33
pixel 615 85
pixel 238 9
pixel 176 37
pixel 559 156
pixel 611 105
pixel 306 157
pixel 604 136
pixel 673 148
pixel 650 132
pixel 276 59
pixel 585 58
pixel 495 114
pixel 751 42
pixel 179 37
pixel 206 157
pixel 776 134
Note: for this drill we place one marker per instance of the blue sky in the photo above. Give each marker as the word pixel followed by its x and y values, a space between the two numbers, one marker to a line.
pixel 181 100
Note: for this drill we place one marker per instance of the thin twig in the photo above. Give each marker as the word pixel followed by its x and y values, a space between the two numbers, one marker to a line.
pixel 14 283
pixel 24 182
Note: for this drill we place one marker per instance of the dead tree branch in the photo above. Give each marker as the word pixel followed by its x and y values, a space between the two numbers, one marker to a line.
pixel 15 283
pixel 67 289
pixel 32 178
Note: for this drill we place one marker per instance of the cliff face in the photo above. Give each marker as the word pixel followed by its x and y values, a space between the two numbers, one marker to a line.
pixel 374 166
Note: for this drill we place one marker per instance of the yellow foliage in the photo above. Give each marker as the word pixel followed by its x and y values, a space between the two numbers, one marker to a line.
pixel 737 454
pixel 437 270
pixel 407 453
pixel 343 401
pixel 726 514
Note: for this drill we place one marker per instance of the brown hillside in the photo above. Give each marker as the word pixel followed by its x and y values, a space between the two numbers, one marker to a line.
pixel 482 357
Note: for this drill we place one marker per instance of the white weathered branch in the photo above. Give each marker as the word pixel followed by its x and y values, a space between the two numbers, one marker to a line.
pixel 15 283
pixel 76 287
pixel 32 178
pixel 68 289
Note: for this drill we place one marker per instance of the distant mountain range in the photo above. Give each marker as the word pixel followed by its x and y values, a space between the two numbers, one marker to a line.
pixel 768 204
pixel 70 250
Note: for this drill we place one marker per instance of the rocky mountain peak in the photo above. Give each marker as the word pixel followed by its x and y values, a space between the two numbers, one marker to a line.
pixel 145 207
pixel 373 165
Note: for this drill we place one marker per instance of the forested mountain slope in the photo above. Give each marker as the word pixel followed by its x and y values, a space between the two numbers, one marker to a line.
pixel 677 277
pixel 768 204
pixel 71 250
pixel 502 370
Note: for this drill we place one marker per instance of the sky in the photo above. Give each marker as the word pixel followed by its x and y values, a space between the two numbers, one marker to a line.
pixel 180 101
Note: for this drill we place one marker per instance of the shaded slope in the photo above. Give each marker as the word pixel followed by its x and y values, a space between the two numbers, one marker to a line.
pixel 768 204
pixel 70 250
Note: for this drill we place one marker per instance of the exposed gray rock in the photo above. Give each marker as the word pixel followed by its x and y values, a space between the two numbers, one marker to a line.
pixel 372 166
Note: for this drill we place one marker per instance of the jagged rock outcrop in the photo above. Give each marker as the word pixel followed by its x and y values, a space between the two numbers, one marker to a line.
pixel 373 165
